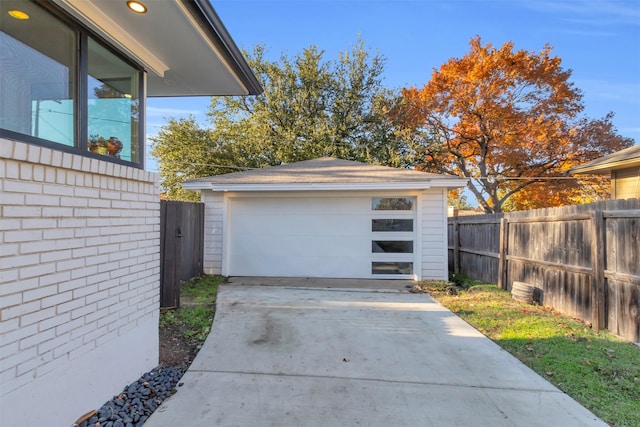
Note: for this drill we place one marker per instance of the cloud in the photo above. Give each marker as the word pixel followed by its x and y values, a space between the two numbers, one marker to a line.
pixel 590 12
pixel 586 33
pixel 616 91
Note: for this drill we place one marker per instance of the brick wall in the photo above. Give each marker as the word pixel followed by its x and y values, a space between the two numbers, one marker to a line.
pixel 79 278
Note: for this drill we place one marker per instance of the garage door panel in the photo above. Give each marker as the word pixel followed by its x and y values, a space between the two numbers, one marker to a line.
pixel 299 245
pixel 300 237
pixel 297 205
pixel 299 224
pixel 304 266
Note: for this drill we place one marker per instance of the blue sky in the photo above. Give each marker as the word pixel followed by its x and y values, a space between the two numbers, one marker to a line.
pixel 598 39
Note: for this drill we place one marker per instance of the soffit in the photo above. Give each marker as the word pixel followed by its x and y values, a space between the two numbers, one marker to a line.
pixel 181 43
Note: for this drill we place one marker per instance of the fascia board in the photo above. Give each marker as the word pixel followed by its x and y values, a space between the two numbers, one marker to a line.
pixel 605 167
pixel 418 185
pixel 423 185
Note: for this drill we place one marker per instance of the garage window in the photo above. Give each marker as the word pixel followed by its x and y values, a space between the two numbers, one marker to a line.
pixel 392 268
pixel 392 225
pixel 392 232
pixel 392 203
pixel 392 246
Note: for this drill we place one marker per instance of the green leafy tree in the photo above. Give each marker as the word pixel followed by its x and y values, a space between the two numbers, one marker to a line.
pixel 311 107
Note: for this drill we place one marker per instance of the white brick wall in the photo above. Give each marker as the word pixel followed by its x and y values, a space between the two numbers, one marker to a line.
pixel 79 266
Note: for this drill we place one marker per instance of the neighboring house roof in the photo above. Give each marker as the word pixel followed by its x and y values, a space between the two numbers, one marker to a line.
pixel 325 173
pixel 182 44
pixel 627 158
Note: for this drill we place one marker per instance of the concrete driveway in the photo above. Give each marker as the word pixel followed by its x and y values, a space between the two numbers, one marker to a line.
pixel 292 356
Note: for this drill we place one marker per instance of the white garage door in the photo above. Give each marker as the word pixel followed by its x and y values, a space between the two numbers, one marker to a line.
pixel 315 237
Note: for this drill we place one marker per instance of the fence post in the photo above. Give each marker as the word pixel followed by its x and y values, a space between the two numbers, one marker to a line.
pixel 456 246
pixel 502 254
pixel 598 306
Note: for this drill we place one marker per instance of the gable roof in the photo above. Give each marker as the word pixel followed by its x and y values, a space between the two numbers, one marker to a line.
pixel 325 173
pixel 627 158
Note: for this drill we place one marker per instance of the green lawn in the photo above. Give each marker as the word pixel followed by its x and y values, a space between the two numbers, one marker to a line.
pixel 597 369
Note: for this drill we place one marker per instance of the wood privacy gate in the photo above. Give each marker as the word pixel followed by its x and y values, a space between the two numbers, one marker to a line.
pixel 583 260
pixel 181 247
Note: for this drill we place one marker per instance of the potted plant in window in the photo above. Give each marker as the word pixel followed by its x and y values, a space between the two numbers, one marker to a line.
pixel 98 144
pixel 114 146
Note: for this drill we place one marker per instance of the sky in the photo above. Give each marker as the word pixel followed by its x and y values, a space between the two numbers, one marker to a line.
pixel 598 39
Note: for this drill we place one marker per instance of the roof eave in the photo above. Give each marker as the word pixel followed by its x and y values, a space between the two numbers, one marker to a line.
pixel 418 185
pixel 604 167
pixel 234 55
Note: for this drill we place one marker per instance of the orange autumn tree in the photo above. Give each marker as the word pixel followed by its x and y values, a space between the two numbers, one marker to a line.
pixel 508 120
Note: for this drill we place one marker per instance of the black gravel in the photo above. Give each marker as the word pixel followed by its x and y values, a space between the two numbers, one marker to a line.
pixel 136 403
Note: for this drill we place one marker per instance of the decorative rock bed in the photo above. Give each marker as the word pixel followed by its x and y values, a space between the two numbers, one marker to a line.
pixel 133 406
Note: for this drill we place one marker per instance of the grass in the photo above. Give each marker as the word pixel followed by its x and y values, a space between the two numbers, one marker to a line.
pixel 201 290
pixel 195 316
pixel 597 369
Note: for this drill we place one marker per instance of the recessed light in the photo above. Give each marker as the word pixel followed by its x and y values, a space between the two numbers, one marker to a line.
pixel 136 6
pixel 18 14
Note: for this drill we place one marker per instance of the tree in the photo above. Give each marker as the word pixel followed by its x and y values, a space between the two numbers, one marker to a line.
pixel 186 151
pixel 508 120
pixel 458 199
pixel 311 107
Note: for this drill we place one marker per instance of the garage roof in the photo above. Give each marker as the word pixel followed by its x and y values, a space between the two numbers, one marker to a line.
pixel 325 173
pixel 627 158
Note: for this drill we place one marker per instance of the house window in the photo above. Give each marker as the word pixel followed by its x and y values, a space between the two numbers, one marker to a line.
pixel 112 103
pixel 61 87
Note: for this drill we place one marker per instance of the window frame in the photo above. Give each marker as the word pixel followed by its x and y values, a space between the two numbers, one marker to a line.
pixel 387 258
pixel 81 119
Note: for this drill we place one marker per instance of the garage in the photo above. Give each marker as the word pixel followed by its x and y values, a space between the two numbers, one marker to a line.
pixel 327 218
pixel 318 236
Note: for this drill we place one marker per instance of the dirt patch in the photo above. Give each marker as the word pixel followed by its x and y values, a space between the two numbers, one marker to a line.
pixel 175 349
pixel 183 331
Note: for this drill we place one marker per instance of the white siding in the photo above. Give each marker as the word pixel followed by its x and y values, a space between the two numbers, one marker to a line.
pixel 79 282
pixel 213 231
pixel 433 210
pixel 625 183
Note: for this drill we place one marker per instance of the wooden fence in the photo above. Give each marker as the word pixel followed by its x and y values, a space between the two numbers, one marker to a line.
pixel 583 260
pixel 181 247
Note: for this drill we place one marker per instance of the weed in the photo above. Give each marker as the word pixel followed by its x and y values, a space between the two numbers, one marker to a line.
pixel 195 316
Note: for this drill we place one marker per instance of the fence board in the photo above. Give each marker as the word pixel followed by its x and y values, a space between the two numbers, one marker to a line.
pixel 181 247
pixel 583 260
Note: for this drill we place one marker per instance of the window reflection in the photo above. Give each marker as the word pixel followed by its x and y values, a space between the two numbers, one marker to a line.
pixel 391 268
pixel 37 77
pixel 392 246
pixel 392 204
pixel 392 225
pixel 113 103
